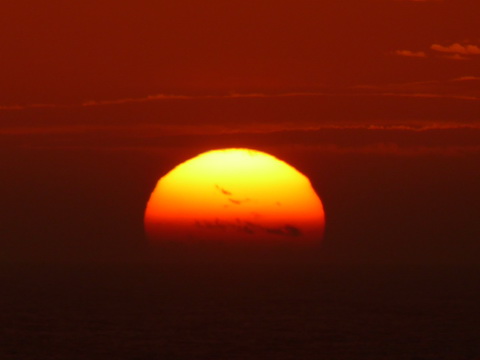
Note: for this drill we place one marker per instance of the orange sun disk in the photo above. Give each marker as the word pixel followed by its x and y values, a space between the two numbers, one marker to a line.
pixel 234 195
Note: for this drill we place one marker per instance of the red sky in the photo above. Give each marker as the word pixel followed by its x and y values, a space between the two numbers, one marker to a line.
pixel 378 101
pixel 103 50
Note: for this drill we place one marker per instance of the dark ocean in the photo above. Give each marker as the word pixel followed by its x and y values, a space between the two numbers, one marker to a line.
pixel 249 311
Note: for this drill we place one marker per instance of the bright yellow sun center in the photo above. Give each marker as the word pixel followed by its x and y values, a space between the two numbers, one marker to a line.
pixel 234 194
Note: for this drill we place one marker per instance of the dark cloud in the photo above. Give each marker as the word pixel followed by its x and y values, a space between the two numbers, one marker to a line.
pixel 287 230
pixel 248 228
pixel 222 190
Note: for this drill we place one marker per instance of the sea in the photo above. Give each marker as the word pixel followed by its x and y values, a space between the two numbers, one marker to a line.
pixel 229 311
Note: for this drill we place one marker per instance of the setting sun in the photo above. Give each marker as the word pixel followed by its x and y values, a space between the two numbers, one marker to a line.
pixel 234 195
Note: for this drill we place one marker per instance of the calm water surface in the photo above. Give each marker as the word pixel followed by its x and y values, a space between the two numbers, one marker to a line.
pixel 239 312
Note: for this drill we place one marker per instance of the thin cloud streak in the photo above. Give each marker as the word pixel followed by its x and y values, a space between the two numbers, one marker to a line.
pixel 467 78
pixel 409 53
pixel 381 149
pixel 430 96
pixel 457 48
pixel 331 93
pixel 282 95
pixel 460 88
pixel 415 138
pixel 425 0
pixel 162 97
pixel 168 130
pixel 456 57
pixel 393 149
pixel 455 51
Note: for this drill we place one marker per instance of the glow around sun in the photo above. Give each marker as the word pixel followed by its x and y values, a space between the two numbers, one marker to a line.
pixel 234 195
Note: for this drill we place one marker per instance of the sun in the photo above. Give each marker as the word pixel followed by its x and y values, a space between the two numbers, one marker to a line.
pixel 234 195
